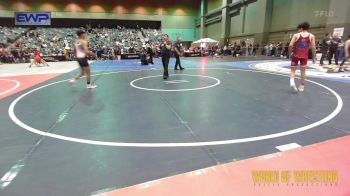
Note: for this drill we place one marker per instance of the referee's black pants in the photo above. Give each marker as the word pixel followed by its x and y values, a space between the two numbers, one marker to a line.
pixel 165 61
pixel 324 55
pixel 333 52
pixel 178 62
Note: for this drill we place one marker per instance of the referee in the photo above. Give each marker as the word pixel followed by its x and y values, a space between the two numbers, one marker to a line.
pixel 166 52
pixel 333 49
pixel 177 53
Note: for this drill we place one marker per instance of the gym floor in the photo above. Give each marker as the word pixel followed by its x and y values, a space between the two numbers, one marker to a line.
pixel 134 128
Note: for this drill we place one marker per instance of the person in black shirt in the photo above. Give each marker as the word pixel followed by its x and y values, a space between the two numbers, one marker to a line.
pixel 325 47
pixel 143 57
pixel 165 50
pixel 118 52
pixel 255 49
pixel 237 50
pixel 333 50
pixel 149 53
pixel 286 52
pixel 177 53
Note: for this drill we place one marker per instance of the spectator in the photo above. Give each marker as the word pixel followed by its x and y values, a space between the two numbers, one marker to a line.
pixel 333 49
pixel 56 41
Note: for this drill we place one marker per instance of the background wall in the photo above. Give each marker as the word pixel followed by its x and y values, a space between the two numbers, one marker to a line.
pixel 198 32
pixel 214 4
pixel 339 9
pixel 278 18
pixel 214 30
pixel 275 20
pixel 287 14
pixel 150 7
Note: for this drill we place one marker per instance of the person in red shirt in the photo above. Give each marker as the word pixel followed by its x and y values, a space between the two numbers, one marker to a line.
pixel 37 59
pixel 3 54
pixel 299 47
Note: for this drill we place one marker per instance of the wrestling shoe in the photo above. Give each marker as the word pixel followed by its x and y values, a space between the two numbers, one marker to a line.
pixel 90 86
pixel 301 88
pixel 293 88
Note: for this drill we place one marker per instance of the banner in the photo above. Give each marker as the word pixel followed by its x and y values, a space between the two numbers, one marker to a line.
pixel 338 32
pixel 33 18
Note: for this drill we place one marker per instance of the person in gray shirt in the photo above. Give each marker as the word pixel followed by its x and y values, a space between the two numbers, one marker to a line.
pixel 333 49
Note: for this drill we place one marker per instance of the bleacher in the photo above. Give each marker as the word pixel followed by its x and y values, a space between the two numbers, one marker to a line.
pixel 58 41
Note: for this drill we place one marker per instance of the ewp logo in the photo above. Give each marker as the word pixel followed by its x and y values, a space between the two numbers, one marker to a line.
pixel 33 18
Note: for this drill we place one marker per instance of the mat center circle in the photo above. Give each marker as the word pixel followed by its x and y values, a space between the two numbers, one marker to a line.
pixel 176 82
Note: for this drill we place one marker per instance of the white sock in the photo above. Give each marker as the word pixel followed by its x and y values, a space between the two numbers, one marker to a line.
pixel 292 83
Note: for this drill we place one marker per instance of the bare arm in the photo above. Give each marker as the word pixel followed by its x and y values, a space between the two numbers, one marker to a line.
pixel 346 48
pixel 291 44
pixel 86 49
pixel 313 48
pixel 74 49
